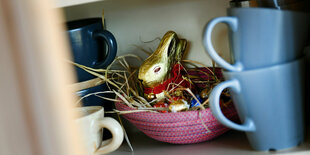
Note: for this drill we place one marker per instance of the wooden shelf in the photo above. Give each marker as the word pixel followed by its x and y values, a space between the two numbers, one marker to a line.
pixel 232 143
pixel 66 3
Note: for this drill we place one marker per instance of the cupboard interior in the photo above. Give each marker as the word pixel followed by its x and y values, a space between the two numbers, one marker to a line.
pixel 138 24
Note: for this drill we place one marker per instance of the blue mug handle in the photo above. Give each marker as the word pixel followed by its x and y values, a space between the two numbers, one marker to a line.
pixel 214 99
pixel 232 22
pixel 112 47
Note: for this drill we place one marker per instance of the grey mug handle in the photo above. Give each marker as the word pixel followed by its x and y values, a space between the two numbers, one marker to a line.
pixel 232 22
pixel 214 99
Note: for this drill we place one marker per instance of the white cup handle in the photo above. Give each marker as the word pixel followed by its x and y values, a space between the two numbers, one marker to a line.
pixel 116 130
pixel 232 22
pixel 214 99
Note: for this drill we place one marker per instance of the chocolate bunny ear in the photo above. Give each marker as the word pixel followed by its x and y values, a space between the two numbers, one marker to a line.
pixel 171 47
pixel 167 45
pixel 181 46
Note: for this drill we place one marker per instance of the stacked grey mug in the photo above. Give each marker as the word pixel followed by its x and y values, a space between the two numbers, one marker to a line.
pixel 265 78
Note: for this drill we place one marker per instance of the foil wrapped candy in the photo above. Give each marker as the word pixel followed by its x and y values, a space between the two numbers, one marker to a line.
pixel 163 72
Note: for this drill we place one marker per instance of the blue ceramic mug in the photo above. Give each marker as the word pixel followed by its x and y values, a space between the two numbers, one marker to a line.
pixel 260 37
pixel 88 42
pixel 94 47
pixel 269 102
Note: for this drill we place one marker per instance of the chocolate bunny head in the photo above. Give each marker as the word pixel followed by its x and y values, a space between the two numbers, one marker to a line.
pixel 156 68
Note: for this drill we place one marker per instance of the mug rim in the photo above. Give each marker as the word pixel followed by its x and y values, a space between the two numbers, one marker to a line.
pixel 80 23
pixel 269 9
pixel 282 65
pixel 96 109
pixel 86 90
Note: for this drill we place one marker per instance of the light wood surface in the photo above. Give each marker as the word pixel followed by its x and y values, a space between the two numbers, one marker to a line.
pixel 36 116
pixel 66 3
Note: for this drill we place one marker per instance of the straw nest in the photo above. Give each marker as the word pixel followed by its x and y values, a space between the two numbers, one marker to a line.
pixel 128 89
pixel 195 125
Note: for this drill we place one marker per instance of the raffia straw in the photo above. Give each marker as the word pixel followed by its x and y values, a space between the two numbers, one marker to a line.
pixel 192 61
pixel 123 99
pixel 118 58
pixel 96 93
pixel 143 100
pixel 106 98
pixel 206 101
pixel 132 81
pixel 157 38
pixel 123 64
pixel 86 84
pixel 117 76
pixel 126 81
pixel 95 70
pixel 129 111
pixel 100 76
pixel 137 110
pixel 108 70
pixel 121 57
pixel 154 100
pixel 120 75
pixel 127 84
pixel 141 103
pixel 179 87
pixel 143 50
pixel 126 136
pixel 130 100
pixel 167 95
pixel 176 85
pixel 202 122
pixel 103 78
pixel 122 85
pixel 134 102
pixel 126 64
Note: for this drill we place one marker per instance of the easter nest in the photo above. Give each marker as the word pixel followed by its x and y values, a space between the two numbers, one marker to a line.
pixel 193 125
pixel 185 127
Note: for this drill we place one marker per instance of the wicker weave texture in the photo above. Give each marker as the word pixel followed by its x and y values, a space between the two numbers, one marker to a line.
pixel 182 127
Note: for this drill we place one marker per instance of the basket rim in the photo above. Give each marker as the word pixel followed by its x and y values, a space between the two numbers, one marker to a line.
pixel 200 137
pixel 188 134
pixel 170 117
pixel 212 120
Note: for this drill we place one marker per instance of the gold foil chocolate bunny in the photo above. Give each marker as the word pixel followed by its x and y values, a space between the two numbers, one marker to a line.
pixel 163 67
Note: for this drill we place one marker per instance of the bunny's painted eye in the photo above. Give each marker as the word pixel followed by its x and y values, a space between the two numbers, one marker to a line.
pixel 157 69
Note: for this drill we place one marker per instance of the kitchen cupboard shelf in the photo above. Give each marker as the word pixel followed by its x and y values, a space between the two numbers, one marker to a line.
pixel 35 77
pixel 232 143
pixel 67 3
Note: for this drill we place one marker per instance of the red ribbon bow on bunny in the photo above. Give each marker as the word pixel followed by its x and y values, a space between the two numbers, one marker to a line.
pixel 174 82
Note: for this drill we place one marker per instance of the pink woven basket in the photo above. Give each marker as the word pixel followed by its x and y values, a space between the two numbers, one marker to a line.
pixel 181 127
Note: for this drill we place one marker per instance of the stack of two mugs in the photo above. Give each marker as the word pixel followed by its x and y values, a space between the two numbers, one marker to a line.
pixel 266 79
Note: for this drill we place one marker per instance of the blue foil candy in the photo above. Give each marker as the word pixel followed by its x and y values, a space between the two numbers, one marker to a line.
pixel 194 102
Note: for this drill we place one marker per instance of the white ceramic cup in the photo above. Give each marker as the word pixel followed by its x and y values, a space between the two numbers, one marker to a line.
pixel 92 122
